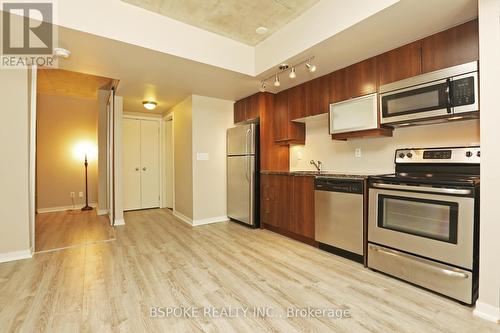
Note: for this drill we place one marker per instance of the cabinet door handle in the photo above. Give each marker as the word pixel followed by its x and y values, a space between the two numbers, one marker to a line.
pixel 136 169
pixel 144 169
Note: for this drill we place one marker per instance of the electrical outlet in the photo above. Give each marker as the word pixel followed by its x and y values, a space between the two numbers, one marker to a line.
pixel 80 194
pixel 357 152
pixel 71 194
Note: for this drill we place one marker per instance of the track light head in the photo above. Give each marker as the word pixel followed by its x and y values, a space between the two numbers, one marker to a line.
pixel 263 86
pixel 292 74
pixel 311 67
pixel 277 81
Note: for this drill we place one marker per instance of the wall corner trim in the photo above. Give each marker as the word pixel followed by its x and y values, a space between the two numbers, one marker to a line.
pixel 17 255
pixel 119 222
pixel 210 220
pixel 183 218
pixel 487 312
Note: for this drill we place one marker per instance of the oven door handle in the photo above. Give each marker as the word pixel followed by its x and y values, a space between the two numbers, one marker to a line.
pixel 445 271
pixel 439 190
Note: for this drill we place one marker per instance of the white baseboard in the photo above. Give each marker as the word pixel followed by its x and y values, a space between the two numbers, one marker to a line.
pixel 63 208
pixel 102 212
pixel 17 255
pixel 119 222
pixel 210 220
pixel 488 312
pixel 183 217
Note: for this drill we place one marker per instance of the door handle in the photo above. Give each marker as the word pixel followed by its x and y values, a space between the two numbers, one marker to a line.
pixel 447 92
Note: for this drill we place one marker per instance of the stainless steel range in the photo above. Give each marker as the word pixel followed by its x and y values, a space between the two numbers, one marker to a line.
pixel 424 219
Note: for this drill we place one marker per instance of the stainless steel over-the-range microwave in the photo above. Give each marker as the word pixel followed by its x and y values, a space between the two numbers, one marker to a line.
pixel 446 94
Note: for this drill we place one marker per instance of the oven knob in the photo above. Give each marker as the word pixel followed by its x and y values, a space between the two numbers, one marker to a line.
pixel 401 155
pixel 409 155
pixel 468 154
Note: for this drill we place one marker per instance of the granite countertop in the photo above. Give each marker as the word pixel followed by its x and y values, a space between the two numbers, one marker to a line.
pixel 325 174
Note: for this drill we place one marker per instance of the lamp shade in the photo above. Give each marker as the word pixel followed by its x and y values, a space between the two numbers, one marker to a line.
pixel 85 148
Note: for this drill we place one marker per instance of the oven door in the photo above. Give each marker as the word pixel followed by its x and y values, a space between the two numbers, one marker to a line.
pixel 438 226
pixel 419 102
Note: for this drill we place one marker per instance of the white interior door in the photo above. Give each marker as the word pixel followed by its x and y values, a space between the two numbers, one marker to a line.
pixel 150 164
pixel 132 164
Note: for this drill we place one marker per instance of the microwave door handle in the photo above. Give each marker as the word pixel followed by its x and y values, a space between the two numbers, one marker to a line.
pixel 447 93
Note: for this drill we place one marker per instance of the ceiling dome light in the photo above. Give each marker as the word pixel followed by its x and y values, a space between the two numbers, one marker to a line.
pixel 150 105
pixel 311 67
pixel 261 30
pixel 292 74
pixel 277 81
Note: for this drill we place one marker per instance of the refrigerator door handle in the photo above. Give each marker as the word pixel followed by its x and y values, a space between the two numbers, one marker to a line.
pixel 247 151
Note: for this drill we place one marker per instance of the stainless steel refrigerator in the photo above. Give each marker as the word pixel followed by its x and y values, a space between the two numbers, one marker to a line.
pixel 243 174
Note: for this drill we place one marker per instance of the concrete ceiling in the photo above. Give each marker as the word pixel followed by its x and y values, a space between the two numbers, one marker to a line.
pixel 66 83
pixel 145 74
pixel 234 19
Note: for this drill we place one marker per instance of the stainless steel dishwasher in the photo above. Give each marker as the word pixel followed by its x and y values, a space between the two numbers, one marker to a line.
pixel 339 205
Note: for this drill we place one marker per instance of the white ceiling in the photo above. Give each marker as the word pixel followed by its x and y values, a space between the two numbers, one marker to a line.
pixel 235 19
pixel 147 74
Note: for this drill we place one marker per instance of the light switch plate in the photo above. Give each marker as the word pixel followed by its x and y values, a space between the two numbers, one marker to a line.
pixel 357 152
pixel 202 156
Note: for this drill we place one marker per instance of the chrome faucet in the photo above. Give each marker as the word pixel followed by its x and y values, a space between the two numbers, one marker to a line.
pixel 317 165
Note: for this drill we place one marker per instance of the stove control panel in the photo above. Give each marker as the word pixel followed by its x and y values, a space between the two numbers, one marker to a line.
pixel 461 155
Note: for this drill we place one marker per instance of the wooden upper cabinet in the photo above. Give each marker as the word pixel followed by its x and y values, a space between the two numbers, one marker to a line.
pixel 318 95
pixel 354 81
pixel 240 111
pixel 400 63
pixel 451 47
pixel 285 130
pixel 253 106
pixel 297 102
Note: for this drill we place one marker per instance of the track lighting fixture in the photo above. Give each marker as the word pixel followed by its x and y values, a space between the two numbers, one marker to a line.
pixel 277 81
pixel 290 69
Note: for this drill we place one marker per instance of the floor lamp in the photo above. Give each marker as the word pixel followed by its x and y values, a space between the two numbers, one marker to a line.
pixel 86 207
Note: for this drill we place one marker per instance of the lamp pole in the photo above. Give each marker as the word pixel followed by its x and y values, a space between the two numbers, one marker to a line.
pixel 87 207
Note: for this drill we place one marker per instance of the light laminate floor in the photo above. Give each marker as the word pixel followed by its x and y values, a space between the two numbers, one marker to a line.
pixel 70 228
pixel 157 260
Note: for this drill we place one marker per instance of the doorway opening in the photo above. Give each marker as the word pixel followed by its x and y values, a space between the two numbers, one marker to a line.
pixel 72 159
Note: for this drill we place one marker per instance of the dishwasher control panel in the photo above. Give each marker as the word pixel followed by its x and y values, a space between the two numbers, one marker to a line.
pixel 339 185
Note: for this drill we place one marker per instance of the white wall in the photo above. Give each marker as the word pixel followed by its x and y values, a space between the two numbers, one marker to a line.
pixel 168 163
pixel 211 119
pixel 199 126
pixel 377 153
pixel 183 159
pixel 102 159
pixel 488 305
pixel 118 165
pixel 14 168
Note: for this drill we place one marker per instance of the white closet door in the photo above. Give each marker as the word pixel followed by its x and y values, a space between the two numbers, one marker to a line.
pixel 132 164
pixel 150 165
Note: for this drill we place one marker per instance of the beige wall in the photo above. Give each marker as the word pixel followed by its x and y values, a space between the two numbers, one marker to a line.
pixel 211 119
pixel 14 169
pixel 168 163
pixel 488 305
pixel 63 122
pixel 377 153
pixel 102 161
pixel 183 157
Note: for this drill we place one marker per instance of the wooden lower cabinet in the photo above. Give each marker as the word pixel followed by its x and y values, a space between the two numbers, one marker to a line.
pixel 287 206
